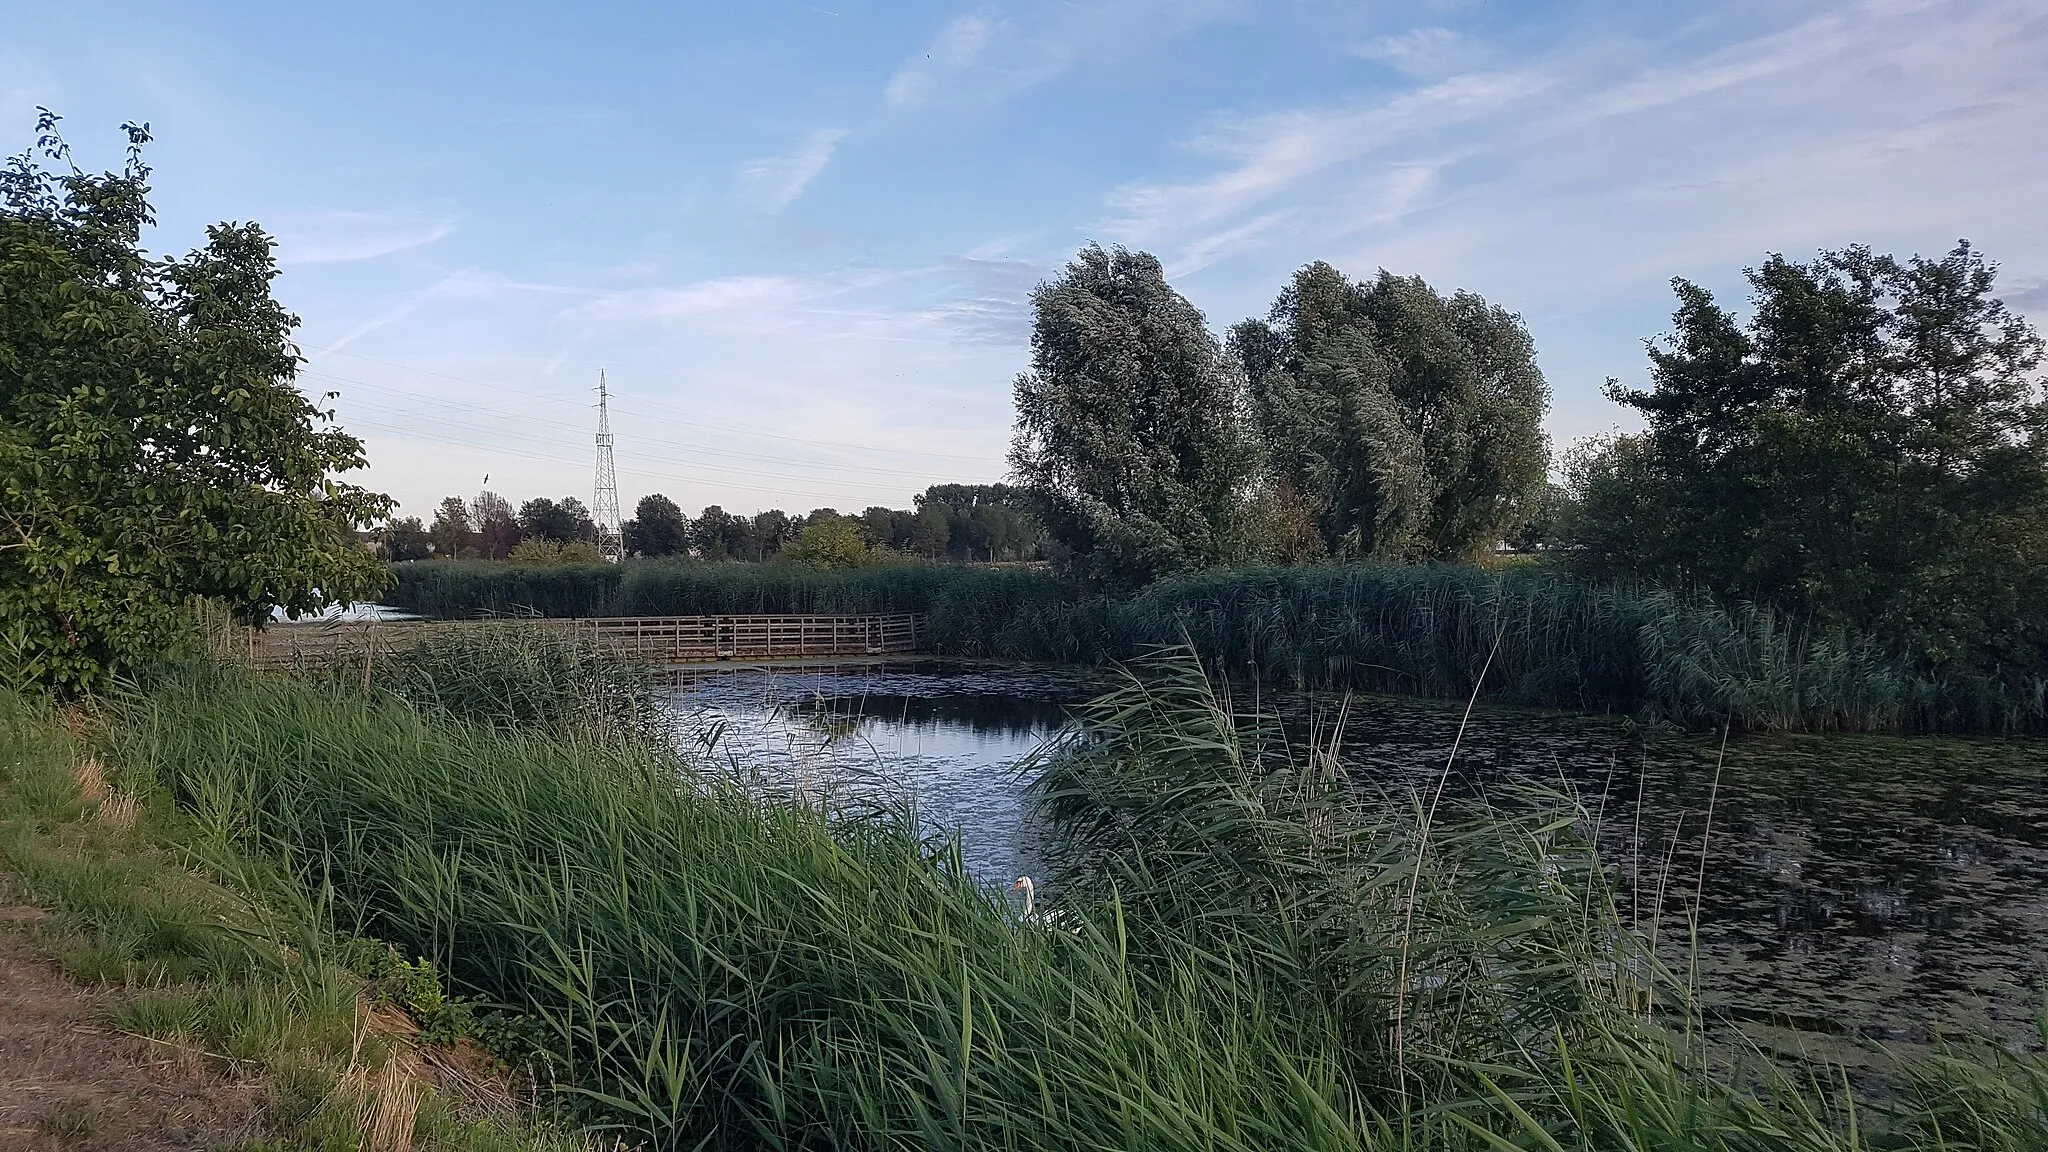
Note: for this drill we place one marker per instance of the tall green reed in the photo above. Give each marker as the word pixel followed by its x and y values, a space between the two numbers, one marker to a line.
pixel 1543 639
pixel 709 964
pixel 509 676
pixel 696 962
pixel 1479 974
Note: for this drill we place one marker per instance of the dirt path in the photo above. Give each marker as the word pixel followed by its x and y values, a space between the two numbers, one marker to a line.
pixel 70 1079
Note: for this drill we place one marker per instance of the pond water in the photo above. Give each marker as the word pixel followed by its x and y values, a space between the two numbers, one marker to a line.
pixel 1862 886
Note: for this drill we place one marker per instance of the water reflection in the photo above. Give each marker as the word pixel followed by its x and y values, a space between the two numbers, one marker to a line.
pixel 946 735
pixel 1853 884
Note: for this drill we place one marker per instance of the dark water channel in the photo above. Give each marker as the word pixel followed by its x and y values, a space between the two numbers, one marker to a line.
pixel 1858 886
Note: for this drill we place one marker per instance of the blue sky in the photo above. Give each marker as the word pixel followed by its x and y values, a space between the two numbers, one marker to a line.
pixel 799 237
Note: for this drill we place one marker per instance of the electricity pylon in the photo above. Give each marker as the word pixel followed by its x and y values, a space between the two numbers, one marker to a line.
pixel 604 504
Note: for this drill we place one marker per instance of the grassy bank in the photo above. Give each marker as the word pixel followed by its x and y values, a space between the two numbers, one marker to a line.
pixel 229 962
pixel 1517 636
pixel 1245 958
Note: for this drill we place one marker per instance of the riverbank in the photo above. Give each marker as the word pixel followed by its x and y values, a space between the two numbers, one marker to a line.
pixel 1244 959
pixel 164 990
pixel 1522 635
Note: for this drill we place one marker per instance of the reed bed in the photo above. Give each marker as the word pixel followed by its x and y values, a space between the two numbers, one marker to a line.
pixel 700 964
pixel 507 676
pixel 1543 639
pixel 466 589
pixel 1244 957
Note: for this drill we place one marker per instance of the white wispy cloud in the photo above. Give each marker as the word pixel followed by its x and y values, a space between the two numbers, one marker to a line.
pixel 342 237
pixel 1008 46
pixel 772 183
pixel 957 47
pixel 749 300
pixel 1853 123
pixel 468 286
pixel 1419 50
pixel 1268 157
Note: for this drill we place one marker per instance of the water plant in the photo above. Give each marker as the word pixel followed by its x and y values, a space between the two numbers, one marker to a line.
pixel 1255 960
pixel 1544 639
pixel 508 676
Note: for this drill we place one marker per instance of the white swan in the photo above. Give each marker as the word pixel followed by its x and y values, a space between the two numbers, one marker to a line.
pixel 1050 918
pixel 1030 892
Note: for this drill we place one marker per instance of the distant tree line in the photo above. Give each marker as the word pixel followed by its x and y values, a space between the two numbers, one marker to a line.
pixel 1865 454
pixel 958 522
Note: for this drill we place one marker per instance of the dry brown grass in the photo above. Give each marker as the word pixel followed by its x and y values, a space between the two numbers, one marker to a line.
pixel 92 780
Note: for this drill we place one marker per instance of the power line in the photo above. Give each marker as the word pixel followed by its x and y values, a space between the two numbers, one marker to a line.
pixel 495 436
pixel 555 425
pixel 412 432
pixel 728 429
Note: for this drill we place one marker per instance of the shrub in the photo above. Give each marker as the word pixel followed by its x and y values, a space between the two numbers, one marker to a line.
pixel 548 553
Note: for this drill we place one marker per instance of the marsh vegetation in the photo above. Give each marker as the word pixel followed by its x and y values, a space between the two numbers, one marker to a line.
pixel 1247 954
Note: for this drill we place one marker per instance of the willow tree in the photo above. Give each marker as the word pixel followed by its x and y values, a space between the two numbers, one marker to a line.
pixel 1408 423
pixel 153 446
pixel 1128 422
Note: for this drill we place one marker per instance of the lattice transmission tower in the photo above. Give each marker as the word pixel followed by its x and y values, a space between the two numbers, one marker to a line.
pixel 604 503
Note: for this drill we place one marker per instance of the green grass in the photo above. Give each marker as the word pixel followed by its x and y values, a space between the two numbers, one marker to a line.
pixel 219 953
pixel 1245 957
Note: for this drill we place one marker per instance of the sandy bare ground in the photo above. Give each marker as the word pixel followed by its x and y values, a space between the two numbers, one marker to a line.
pixel 71 1079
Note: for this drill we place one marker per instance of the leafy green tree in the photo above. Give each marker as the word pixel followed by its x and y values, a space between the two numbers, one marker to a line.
pixel 404 539
pixel 931 531
pixel 740 542
pixel 772 530
pixel 1869 451
pixel 888 527
pixel 658 528
pixel 1127 423
pixel 497 529
pixel 828 542
pixel 543 519
pixel 153 446
pixel 1281 527
pixel 983 522
pixel 711 533
pixel 1409 422
pixel 1544 519
pixel 450 533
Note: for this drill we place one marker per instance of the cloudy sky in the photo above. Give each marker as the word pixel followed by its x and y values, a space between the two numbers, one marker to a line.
pixel 799 238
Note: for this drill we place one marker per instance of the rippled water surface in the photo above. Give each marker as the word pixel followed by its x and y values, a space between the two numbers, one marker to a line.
pixel 1860 885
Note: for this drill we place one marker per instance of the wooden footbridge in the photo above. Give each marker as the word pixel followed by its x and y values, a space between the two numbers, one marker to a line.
pixel 655 639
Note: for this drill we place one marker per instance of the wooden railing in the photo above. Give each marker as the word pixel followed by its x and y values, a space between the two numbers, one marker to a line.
pixel 656 639
pixel 691 638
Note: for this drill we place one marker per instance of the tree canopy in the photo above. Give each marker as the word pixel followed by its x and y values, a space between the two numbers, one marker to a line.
pixel 1869 450
pixel 828 541
pixel 153 446
pixel 559 522
pixel 658 528
pixel 1408 424
pixel 451 534
pixel 404 538
pixel 1128 421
